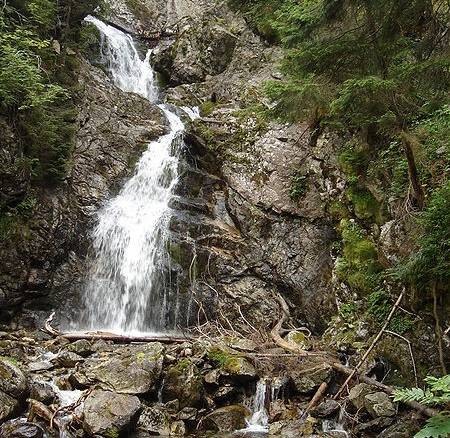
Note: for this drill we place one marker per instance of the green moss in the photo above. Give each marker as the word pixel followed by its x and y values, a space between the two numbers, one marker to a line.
pixel 112 433
pixel 358 265
pixel 337 210
pixel 364 204
pixel 226 361
pixel 206 108
pixel 8 226
pixel 353 159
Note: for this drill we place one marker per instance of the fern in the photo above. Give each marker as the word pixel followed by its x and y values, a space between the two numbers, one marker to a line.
pixel 414 394
pixel 436 427
pixel 436 393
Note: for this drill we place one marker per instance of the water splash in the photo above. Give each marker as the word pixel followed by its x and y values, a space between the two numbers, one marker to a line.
pixel 126 291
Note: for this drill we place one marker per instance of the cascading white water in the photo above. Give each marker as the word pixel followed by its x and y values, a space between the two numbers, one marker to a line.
pixel 259 421
pixel 120 56
pixel 125 291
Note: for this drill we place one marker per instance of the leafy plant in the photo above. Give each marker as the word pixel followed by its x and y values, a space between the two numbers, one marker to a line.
pixel 437 392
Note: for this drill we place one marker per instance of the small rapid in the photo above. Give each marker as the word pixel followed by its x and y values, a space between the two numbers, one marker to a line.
pixel 126 291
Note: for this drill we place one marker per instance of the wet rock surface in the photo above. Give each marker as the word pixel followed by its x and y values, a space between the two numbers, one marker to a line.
pixel 109 414
pixel 126 370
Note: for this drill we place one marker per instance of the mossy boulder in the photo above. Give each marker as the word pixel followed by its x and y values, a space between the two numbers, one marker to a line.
pixel 109 414
pixel 183 382
pixel 227 419
pixel 12 380
pixel 232 365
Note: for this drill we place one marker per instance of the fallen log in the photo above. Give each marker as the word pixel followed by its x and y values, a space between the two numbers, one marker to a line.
pixel 124 339
pixel 115 337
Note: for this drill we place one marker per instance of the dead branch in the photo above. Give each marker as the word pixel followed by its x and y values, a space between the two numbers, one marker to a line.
pixel 48 326
pixel 372 346
pixel 275 332
pixel 437 329
pixel 320 393
pixel 38 409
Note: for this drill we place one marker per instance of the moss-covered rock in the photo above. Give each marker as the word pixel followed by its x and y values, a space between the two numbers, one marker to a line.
pixel 128 370
pixel 183 382
pixel 227 419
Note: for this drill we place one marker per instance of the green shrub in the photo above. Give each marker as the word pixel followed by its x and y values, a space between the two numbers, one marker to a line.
pixel 299 186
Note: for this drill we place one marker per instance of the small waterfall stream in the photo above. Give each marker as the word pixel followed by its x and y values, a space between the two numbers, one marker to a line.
pixel 259 421
pixel 126 291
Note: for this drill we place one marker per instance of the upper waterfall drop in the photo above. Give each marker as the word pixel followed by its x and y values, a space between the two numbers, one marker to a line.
pixel 126 291
pixel 126 68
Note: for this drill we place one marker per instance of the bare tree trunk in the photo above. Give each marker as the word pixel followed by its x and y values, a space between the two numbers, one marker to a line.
pixel 414 179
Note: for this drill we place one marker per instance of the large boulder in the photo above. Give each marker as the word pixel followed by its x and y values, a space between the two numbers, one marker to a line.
pixel 126 370
pixel 227 419
pixel 202 48
pixel 109 414
pixel 308 379
pixel 12 380
pixel 8 406
pixel 154 420
pixel 379 404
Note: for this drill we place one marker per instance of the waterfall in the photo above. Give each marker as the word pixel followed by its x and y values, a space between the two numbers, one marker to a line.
pixel 125 291
pixel 259 421
pixel 118 53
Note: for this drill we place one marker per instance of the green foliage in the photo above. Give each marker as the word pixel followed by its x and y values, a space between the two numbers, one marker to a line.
pixel 348 311
pixel 364 203
pixel 35 81
pixel 379 305
pixel 299 186
pixel 436 427
pixel 437 392
pixel 432 261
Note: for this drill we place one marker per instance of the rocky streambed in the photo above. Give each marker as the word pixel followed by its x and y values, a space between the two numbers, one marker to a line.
pixel 53 387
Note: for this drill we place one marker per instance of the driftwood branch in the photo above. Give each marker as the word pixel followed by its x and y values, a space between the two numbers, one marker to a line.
pixel 277 330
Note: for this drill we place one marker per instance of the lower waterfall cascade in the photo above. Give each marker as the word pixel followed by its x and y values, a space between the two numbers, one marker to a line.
pixel 126 291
